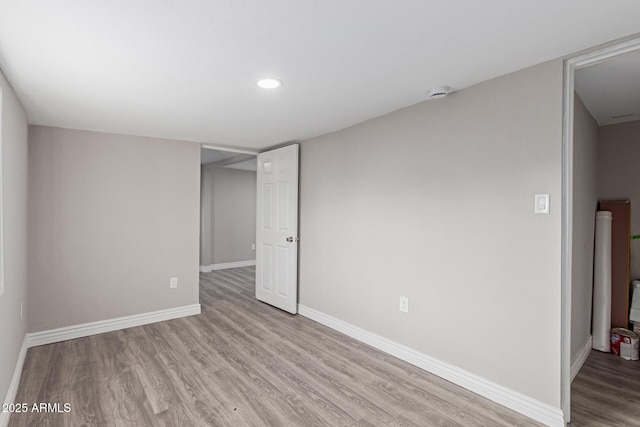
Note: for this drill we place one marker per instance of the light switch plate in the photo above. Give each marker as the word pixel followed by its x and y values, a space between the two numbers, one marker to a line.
pixel 541 204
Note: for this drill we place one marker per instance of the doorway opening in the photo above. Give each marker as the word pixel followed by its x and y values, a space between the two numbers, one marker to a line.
pixel 227 208
pixel 601 122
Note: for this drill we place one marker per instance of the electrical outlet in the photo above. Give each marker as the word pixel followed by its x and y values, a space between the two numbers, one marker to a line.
pixel 173 283
pixel 404 304
pixel 253 246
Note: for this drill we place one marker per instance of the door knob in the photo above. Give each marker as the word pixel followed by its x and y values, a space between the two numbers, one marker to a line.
pixel 292 239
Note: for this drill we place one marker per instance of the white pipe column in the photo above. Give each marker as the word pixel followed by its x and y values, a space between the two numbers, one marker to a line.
pixel 602 283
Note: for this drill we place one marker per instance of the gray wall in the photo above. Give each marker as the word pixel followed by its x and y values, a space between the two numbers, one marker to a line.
pixel 435 202
pixel 111 219
pixel 228 212
pixel 619 175
pixel 585 201
pixel 14 210
pixel 206 217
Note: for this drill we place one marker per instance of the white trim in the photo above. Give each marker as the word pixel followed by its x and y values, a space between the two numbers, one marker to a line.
pixel 15 381
pixel 230 149
pixel 512 399
pixel 602 55
pixel 581 357
pixel 87 329
pixel 566 243
pixel 570 65
pixel 225 265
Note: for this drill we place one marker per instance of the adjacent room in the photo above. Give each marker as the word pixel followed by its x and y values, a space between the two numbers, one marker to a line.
pixel 606 251
pixel 355 213
pixel 227 209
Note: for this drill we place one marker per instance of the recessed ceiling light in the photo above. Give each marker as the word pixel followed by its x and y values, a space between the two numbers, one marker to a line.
pixel 269 83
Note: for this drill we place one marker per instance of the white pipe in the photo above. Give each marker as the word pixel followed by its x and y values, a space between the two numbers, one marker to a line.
pixel 602 283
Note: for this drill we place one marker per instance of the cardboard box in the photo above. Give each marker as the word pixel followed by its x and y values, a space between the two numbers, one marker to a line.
pixel 625 343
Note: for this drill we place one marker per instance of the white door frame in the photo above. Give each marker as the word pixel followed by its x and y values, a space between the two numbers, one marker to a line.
pixel 570 67
pixel 230 149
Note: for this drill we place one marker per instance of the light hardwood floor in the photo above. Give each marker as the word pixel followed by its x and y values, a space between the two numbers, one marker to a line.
pixel 606 392
pixel 240 363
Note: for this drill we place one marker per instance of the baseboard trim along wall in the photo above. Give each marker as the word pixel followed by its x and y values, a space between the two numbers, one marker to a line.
pixel 15 381
pixel 86 329
pixel 225 265
pixel 512 399
pixel 581 357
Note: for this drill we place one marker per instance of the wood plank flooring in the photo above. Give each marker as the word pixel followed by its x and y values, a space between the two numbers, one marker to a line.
pixel 606 392
pixel 240 363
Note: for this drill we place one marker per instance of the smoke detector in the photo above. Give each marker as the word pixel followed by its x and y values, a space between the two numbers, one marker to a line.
pixel 439 92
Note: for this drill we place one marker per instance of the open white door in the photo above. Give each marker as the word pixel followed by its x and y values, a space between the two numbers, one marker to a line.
pixel 277 228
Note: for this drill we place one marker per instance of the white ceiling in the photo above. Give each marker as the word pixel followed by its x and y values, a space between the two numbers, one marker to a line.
pixel 247 165
pixel 611 90
pixel 208 155
pixel 227 159
pixel 186 69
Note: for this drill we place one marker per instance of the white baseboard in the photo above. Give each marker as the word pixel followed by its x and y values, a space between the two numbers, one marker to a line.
pixel 15 381
pixel 512 399
pixel 225 265
pixel 581 357
pixel 86 329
